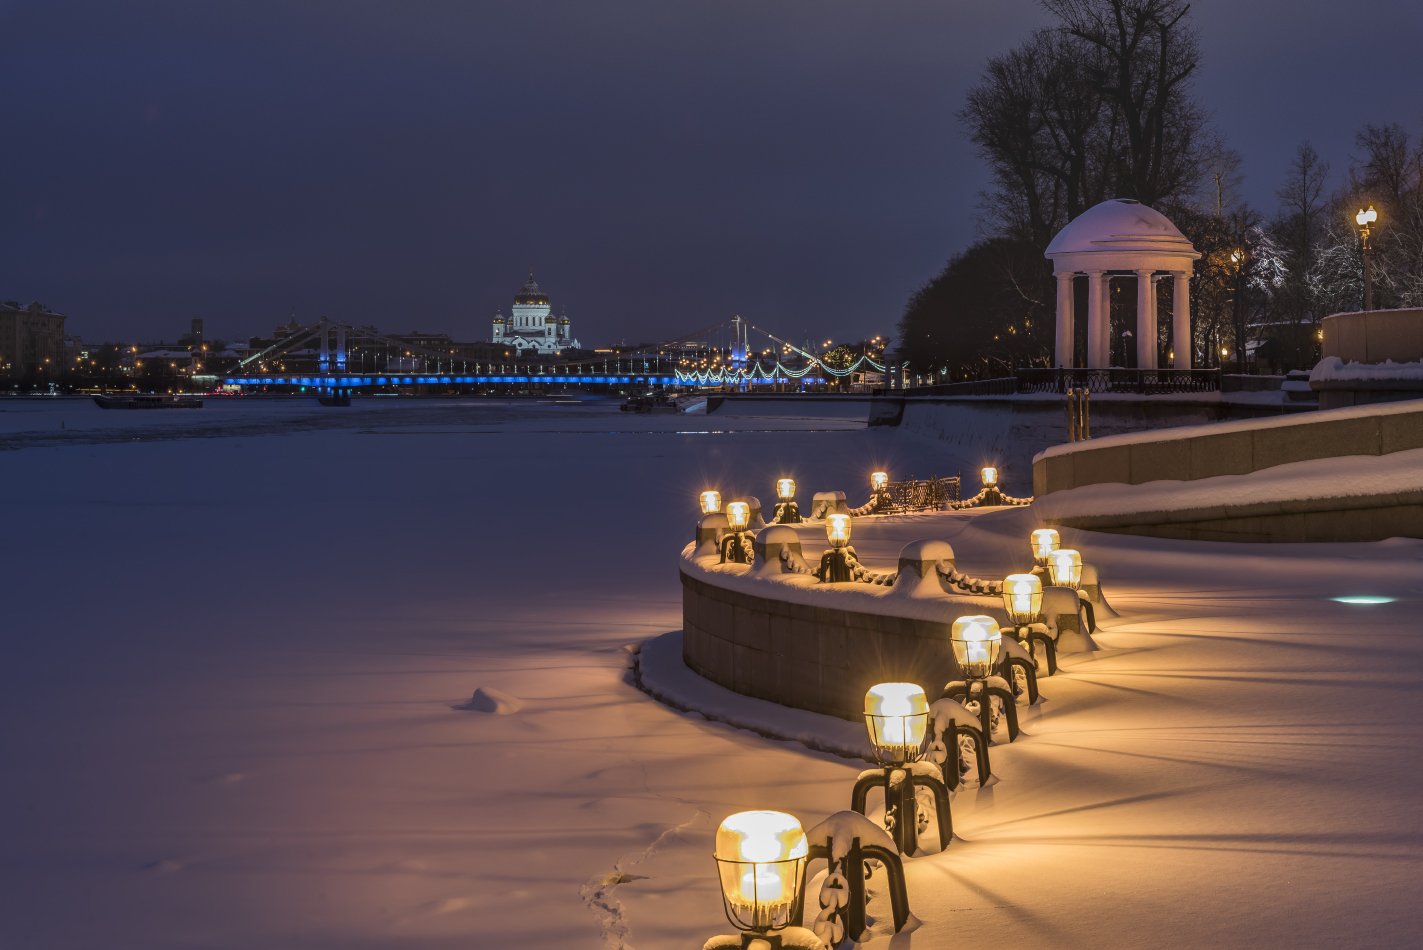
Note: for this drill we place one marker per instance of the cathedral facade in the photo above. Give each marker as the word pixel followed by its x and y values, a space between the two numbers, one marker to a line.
pixel 531 324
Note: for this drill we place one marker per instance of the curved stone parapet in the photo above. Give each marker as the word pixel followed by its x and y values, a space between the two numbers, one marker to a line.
pixel 768 631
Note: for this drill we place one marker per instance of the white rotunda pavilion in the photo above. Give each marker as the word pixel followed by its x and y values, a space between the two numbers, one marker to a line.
pixel 1120 238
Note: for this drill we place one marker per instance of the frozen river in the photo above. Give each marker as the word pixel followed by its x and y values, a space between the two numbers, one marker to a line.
pixel 234 639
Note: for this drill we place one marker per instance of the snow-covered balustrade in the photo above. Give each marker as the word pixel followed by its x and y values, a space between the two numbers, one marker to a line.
pixel 1339 475
pixel 772 630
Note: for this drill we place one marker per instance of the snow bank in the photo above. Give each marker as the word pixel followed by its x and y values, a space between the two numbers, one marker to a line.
pixel 1332 369
pixel 1350 481
pixel 490 700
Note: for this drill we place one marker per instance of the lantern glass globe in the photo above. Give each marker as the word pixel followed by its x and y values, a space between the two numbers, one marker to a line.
pixel 760 858
pixel 711 501
pixel 990 477
pixel 1065 568
pixel 837 530
pixel 879 481
pixel 976 641
pixel 1044 541
pixel 738 515
pixel 1023 598
pixel 897 717
pixel 785 489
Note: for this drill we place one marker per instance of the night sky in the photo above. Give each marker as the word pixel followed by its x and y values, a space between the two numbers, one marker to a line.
pixel 661 165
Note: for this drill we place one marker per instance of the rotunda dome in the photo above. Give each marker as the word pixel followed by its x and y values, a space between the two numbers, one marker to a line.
pixel 1120 233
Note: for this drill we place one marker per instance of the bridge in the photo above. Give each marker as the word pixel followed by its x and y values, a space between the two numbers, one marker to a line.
pixel 351 359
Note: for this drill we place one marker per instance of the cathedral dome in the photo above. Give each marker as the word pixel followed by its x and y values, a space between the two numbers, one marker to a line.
pixel 531 293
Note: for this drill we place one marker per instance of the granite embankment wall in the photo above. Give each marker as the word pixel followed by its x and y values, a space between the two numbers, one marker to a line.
pixel 1232 449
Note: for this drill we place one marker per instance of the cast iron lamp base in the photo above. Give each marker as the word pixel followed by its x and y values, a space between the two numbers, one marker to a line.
pixel 852 868
pixel 982 692
pixel 1029 635
pixel 950 738
pixel 835 567
pixel 736 549
pixel 899 782
pixel 786 512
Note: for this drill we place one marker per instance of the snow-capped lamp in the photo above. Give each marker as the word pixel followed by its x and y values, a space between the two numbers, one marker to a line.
pixel 787 511
pixel 1023 602
pixel 1044 541
pixel 976 641
pixel 879 482
pixel 711 501
pixel 897 717
pixel 760 861
pixel 1023 598
pixel 1065 568
pixel 991 495
pixel 835 564
pixel 736 546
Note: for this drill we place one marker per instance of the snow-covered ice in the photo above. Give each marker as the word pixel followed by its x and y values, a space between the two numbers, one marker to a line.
pixel 235 638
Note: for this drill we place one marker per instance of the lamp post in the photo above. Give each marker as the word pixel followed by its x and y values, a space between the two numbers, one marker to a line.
pixel 1044 541
pixel 835 565
pixel 736 547
pixel 897 717
pixel 1364 219
pixel 992 496
pixel 1023 602
pixel 879 481
pixel 760 861
pixel 1065 568
pixel 787 511
pixel 976 641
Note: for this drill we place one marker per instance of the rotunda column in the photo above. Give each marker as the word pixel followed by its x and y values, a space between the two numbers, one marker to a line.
pixel 1145 345
pixel 1064 318
pixel 1097 323
pixel 1181 340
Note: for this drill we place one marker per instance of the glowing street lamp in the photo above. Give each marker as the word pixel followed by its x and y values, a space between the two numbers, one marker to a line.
pixel 1045 541
pixel 760 859
pixel 787 511
pixel 976 641
pixel 711 501
pixel 1065 568
pixel 879 482
pixel 897 717
pixel 836 564
pixel 1023 598
pixel 1364 219
pixel 736 547
pixel 991 494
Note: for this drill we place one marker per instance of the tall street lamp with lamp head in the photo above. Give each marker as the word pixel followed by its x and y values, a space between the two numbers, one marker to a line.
pixel 897 717
pixel 1364 219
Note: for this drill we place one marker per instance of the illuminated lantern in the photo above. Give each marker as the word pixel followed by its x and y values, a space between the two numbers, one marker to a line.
pixel 711 501
pixel 897 716
pixel 760 858
pixel 1065 568
pixel 879 481
pixel 738 515
pixel 1023 598
pixel 976 641
pixel 837 530
pixel 1045 541
pixel 785 489
pixel 990 477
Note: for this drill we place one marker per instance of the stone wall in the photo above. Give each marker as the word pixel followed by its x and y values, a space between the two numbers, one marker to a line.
pixel 1229 449
pixel 812 658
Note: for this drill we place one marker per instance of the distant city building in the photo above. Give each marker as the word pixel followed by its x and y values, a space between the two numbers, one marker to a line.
pixel 32 339
pixel 532 325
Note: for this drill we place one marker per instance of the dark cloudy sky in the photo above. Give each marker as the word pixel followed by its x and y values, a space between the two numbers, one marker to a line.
pixel 662 165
